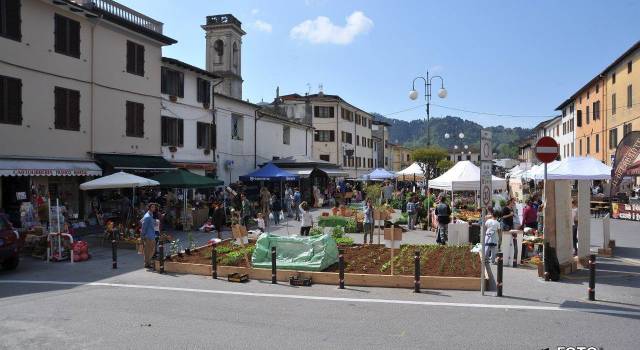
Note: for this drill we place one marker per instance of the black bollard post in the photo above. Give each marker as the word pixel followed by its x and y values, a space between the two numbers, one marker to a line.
pixel 592 277
pixel 161 253
pixel 416 260
pixel 515 250
pixel 274 280
pixel 341 270
pixel 114 253
pixel 214 262
pixel 500 265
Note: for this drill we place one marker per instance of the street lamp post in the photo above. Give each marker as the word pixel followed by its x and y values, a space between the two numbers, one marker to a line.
pixel 413 94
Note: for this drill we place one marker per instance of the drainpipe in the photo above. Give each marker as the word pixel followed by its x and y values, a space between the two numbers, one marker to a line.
pixel 92 117
pixel 213 121
pixel 338 136
pixel 255 137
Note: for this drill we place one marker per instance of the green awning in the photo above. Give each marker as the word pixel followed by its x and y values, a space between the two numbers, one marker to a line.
pixel 130 162
pixel 185 179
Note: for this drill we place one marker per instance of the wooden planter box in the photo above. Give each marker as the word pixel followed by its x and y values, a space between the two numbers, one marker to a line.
pixel 330 278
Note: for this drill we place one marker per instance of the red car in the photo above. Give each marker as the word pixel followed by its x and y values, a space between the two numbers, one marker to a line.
pixel 10 244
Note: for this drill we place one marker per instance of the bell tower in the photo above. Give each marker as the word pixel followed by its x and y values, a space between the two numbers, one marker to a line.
pixel 224 52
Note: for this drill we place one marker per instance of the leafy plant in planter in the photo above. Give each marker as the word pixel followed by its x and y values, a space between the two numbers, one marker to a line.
pixel 374 193
pixel 337 232
pixel 344 241
pixel 351 226
pixel 316 231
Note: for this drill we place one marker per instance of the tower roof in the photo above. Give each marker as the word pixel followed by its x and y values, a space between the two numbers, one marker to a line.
pixel 226 20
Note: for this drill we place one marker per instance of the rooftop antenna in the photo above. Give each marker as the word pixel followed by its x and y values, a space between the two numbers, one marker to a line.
pixel 320 91
pixel 308 89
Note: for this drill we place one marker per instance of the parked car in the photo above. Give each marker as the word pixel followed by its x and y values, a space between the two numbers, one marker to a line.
pixel 10 244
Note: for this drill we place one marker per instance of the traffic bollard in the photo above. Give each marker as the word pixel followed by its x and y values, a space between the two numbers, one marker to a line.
pixel 592 277
pixel 214 262
pixel 161 254
pixel 416 260
pixel 114 253
pixel 274 280
pixel 341 270
pixel 515 249
pixel 500 265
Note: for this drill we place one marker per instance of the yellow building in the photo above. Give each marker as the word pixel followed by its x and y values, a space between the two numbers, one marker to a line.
pixel 622 89
pixel 400 157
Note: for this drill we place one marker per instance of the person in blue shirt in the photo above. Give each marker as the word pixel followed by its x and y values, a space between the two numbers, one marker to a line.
pixel 148 234
pixel 297 199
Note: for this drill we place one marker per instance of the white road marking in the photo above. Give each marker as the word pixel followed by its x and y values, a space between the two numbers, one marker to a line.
pixel 338 299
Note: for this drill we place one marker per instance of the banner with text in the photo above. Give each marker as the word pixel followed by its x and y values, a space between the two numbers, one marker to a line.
pixel 627 160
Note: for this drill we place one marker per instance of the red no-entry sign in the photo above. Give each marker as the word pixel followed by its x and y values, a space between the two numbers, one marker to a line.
pixel 547 149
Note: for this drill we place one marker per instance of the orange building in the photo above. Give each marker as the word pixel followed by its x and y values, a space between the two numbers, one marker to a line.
pixel 591 120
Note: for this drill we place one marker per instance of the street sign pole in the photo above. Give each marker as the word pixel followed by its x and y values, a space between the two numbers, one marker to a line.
pixel 486 191
pixel 546 150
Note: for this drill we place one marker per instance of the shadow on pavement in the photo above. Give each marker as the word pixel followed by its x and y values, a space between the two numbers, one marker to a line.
pixel 591 307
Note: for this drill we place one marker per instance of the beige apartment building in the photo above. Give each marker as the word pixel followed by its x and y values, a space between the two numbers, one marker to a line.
pixel 342 133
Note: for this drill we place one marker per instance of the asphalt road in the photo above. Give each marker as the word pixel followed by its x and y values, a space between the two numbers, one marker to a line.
pixel 90 306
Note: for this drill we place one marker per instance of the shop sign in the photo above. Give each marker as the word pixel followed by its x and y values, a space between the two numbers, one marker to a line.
pixel 625 211
pixel 50 172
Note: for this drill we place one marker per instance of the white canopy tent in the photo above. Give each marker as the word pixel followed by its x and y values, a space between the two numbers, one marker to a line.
pixel 537 171
pixel 579 168
pixel 118 180
pixel 464 176
pixel 412 172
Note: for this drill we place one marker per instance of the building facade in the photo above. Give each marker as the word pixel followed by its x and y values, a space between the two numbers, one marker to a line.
pixel 622 88
pixel 380 136
pixel 400 157
pixel 590 121
pixel 78 79
pixel 342 134
pixel 567 139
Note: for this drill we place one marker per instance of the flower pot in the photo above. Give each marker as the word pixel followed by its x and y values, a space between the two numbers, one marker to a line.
pixel 173 98
pixel 206 151
pixel 172 149
pixel 205 105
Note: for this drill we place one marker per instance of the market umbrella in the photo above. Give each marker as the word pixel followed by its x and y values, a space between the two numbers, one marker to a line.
pixel 118 180
pixel 181 178
pixel 185 179
pixel 380 174
pixel 269 172
pixel 579 168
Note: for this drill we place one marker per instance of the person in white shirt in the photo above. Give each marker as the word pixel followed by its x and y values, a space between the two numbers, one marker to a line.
pixel 306 221
pixel 491 238
pixel 574 222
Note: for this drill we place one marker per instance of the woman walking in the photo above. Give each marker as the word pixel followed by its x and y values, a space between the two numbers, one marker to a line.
pixel 306 219
pixel 368 222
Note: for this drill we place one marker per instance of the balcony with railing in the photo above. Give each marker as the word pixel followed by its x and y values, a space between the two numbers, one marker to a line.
pixel 113 8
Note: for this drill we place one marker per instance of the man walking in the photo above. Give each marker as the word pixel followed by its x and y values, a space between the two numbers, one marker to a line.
pixel 297 199
pixel 148 235
pixel 443 212
pixel 411 213
pixel 368 222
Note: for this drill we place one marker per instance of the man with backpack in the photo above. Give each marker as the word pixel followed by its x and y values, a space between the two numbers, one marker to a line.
pixel 411 213
pixel 443 212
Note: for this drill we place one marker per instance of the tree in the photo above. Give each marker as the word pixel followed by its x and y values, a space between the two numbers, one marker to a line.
pixel 444 165
pixel 428 158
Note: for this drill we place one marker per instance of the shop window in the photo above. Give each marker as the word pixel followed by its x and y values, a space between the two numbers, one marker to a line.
pixel 172 131
pixel 135 58
pixel 205 137
pixel 236 127
pixel 67 36
pixel 323 112
pixel 67 109
pixel 286 135
pixel 204 91
pixel 172 82
pixel 135 119
pixel 324 136
pixel 10 19
pixel 10 100
pixel 325 157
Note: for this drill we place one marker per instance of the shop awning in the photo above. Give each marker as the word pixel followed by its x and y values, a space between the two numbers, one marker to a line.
pixel 185 179
pixel 334 172
pixel 36 167
pixel 301 172
pixel 130 162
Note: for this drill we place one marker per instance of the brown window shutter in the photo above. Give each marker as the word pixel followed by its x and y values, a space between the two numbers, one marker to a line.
pixel 74 38
pixel 199 135
pixel 129 118
pixel 59 107
pixel 12 17
pixel 140 119
pixel 131 53
pixel 180 132
pixel 74 110
pixel 180 83
pixel 139 59
pixel 60 33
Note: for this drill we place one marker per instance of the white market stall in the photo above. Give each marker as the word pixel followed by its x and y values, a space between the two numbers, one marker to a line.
pixel 411 173
pixel 464 176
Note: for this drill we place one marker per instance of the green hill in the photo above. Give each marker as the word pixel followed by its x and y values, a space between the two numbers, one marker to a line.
pixel 413 134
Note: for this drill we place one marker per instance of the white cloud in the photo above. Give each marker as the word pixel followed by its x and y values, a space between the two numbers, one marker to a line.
pixel 322 31
pixel 255 11
pixel 263 26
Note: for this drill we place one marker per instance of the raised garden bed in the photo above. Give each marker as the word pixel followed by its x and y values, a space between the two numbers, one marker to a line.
pixel 449 267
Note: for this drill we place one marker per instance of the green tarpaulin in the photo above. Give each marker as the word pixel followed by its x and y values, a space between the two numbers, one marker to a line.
pixel 185 179
pixel 314 253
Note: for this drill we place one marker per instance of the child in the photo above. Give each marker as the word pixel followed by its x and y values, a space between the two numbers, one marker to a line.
pixel 261 224
pixel 491 238
pixel 208 226
pixel 306 219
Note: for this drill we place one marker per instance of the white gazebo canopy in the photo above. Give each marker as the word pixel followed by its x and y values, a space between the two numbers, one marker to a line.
pixel 537 171
pixel 579 168
pixel 464 176
pixel 118 180
pixel 413 170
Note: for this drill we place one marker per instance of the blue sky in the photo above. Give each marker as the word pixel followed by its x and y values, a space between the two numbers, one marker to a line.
pixel 504 57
